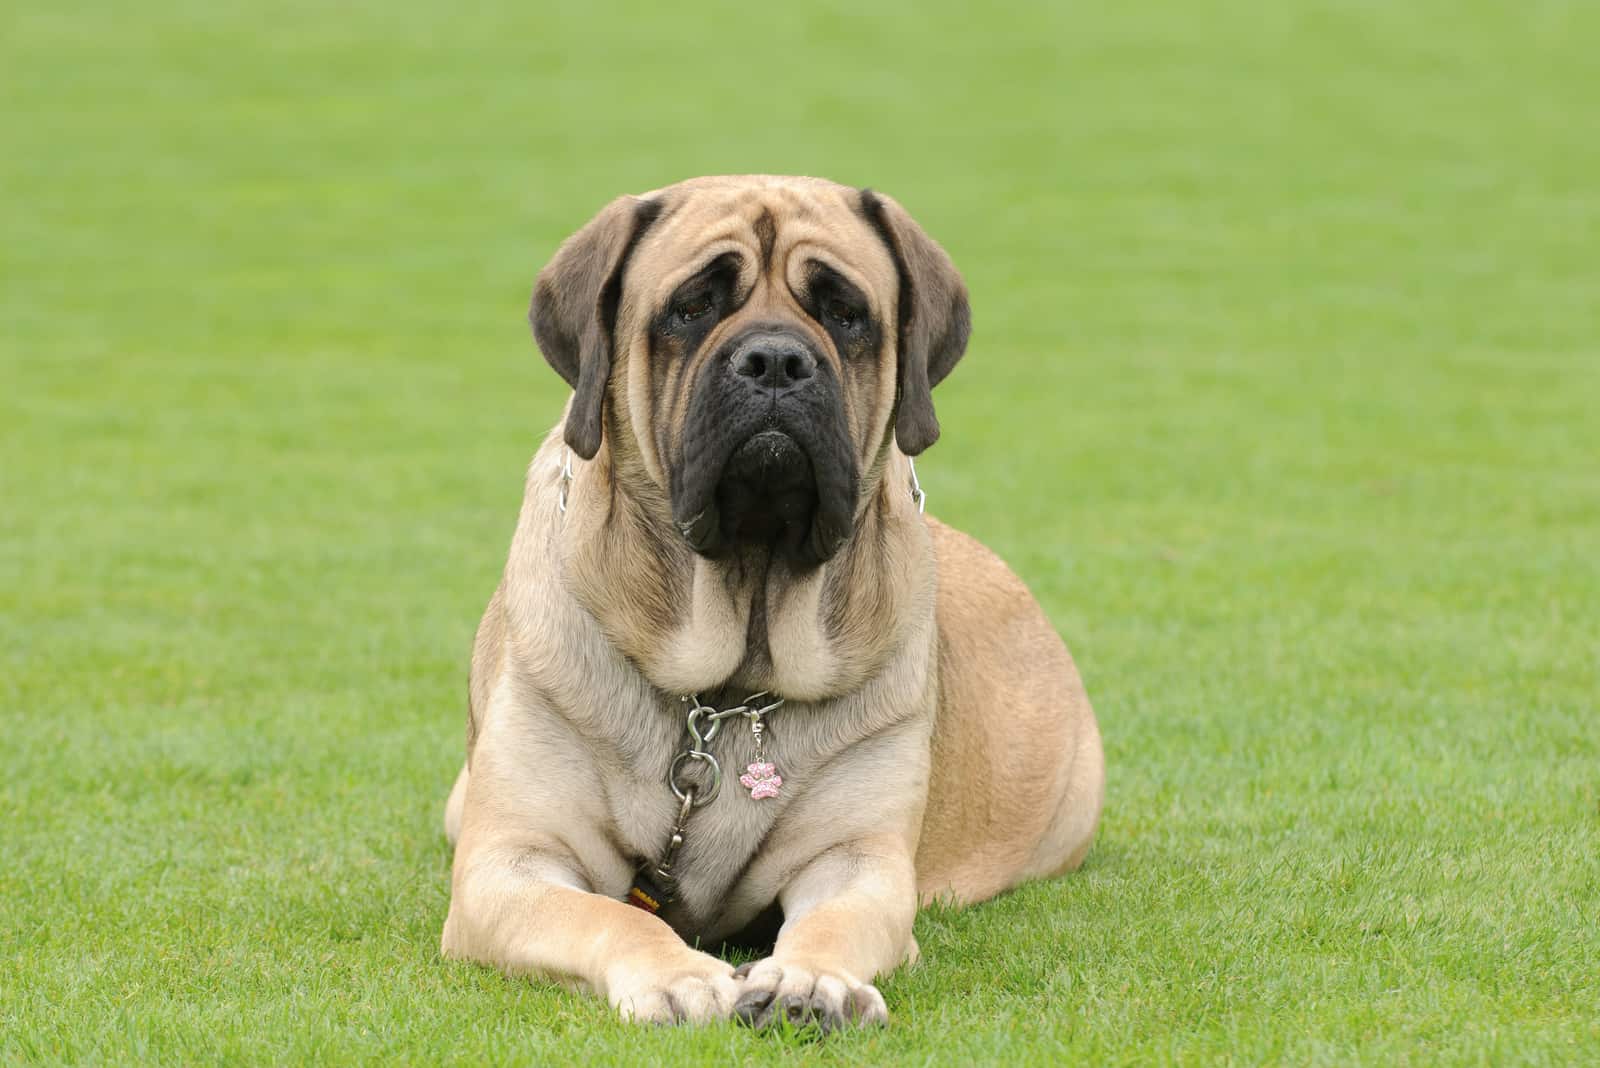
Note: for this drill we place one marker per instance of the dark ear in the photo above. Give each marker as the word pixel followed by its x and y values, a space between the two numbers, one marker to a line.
pixel 575 310
pixel 935 318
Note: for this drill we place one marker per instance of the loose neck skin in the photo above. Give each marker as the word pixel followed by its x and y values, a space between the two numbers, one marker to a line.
pixel 693 625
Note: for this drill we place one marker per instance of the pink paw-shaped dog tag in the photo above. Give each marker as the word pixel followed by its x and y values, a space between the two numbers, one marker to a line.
pixel 761 779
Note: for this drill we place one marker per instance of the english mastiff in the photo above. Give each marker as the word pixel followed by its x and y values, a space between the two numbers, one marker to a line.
pixel 732 675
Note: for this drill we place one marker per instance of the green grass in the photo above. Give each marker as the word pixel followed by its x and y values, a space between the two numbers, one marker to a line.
pixel 1283 398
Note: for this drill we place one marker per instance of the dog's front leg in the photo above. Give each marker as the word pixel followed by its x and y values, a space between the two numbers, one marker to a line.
pixel 847 920
pixel 524 911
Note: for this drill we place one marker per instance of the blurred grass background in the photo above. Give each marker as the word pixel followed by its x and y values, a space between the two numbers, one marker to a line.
pixel 1282 397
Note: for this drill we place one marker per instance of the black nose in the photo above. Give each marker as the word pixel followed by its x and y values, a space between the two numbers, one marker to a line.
pixel 774 361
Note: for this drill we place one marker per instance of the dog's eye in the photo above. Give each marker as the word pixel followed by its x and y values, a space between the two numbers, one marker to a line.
pixel 839 312
pixel 692 308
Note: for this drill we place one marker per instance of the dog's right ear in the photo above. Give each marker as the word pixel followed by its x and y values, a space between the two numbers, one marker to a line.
pixel 574 310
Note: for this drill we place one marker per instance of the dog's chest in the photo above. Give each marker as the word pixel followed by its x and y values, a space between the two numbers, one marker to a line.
pixel 722 838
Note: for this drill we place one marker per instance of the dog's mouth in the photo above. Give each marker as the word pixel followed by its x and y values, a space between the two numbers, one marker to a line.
pixel 768 493
pixel 767 496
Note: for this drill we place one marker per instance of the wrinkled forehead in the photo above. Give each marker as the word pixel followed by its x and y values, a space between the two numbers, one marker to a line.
pixel 776 228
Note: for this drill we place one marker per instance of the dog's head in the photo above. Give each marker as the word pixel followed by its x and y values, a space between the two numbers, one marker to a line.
pixel 757 343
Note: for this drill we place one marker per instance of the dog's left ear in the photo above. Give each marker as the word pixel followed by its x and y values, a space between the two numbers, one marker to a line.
pixel 935 318
pixel 574 310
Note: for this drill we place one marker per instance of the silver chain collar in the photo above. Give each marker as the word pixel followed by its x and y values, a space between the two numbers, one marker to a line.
pixel 712 718
pixel 566 480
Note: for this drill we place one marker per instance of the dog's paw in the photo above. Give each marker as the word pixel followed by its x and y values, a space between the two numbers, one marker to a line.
pixel 771 990
pixel 695 990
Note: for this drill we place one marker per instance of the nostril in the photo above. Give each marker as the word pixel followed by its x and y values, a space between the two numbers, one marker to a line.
pixel 797 367
pixel 753 365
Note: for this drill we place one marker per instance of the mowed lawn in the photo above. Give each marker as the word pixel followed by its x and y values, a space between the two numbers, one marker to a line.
pixel 1284 397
